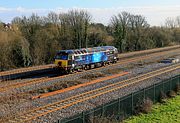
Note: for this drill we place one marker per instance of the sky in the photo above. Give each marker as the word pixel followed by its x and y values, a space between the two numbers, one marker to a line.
pixel 155 11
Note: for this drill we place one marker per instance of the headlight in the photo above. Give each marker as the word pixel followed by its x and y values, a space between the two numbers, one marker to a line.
pixel 72 65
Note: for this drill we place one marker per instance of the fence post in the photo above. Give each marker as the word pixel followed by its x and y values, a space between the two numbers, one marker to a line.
pixel 154 97
pixel 144 93
pixel 132 106
pixel 103 110
pixel 171 83
pixel 163 85
pixel 119 106
pixel 83 117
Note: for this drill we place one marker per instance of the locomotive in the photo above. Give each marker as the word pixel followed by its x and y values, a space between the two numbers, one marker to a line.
pixel 85 58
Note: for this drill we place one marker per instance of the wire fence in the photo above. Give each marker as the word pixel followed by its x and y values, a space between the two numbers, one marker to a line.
pixel 125 106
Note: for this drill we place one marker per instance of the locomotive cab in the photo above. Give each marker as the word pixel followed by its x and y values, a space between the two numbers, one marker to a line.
pixel 64 60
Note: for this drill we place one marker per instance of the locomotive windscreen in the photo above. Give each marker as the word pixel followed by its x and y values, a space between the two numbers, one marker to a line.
pixel 62 56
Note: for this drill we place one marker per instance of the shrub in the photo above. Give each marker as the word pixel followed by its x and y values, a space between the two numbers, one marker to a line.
pixel 162 97
pixel 171 93
pixel 144 107
pixel 177 89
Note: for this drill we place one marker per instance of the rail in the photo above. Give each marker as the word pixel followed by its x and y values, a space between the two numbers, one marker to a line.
pixel 23 70
pixel 129 54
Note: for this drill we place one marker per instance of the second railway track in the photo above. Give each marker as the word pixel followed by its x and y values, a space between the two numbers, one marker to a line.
pixel 44 110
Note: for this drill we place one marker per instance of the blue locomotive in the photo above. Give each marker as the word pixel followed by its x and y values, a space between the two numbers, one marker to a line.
pixel 85 58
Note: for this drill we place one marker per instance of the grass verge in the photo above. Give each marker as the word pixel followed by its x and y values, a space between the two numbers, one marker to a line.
pixel 168 112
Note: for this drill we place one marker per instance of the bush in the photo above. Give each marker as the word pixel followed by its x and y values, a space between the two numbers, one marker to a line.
pixel 177 89
pixel 171 93
pixel 144 107
pixel 162 97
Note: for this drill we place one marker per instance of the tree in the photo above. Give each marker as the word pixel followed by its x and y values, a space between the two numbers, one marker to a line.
pixel 14 50
pixel 173 26
pixel 138 27
pixel 161 36
pixel 53 18
pixel 29 26
pixel 76 22
pixel 178 21
pixel 46 45
pixel 66 32
pixel 128 31
pixel 119 25
pixel 97 35
pixel 170 23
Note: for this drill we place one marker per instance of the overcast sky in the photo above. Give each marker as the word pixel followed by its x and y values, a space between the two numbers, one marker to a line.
pixel 156 11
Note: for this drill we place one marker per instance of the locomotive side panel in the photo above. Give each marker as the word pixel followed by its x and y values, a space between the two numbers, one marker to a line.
pixel 86 59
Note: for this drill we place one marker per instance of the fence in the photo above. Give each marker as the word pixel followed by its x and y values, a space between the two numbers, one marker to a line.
pixel 124 107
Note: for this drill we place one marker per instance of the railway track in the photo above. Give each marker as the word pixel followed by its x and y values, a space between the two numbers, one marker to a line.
pixel 125 61
pixel 44 110
pixel 24 70
pixel 20 84
pixel 137 53
pixel 80 85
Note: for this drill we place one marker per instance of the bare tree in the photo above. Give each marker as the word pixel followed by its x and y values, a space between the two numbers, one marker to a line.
pixel 77 23
pixel 170 23
pixel 53 18
pixel 138 25
pixel 120 24
pixel 178 21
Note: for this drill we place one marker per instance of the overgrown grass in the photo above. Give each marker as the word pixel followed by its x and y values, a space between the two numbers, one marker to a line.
pixel 56 87
pixel 93 76
pixel 113 71
pixel 168 112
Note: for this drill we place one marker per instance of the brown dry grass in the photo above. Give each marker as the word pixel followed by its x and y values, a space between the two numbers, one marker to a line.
pixel 171 93
pixel 14 98
pixel 93 76
pixel 113 71
pixel 56 87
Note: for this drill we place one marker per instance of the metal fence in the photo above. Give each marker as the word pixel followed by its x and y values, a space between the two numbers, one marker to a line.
pixel 124 107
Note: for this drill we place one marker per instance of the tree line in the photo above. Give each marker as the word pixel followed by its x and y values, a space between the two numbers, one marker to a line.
pixel 34 40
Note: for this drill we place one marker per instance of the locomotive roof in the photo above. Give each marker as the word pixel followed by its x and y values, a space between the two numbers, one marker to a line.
pixel 87 50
